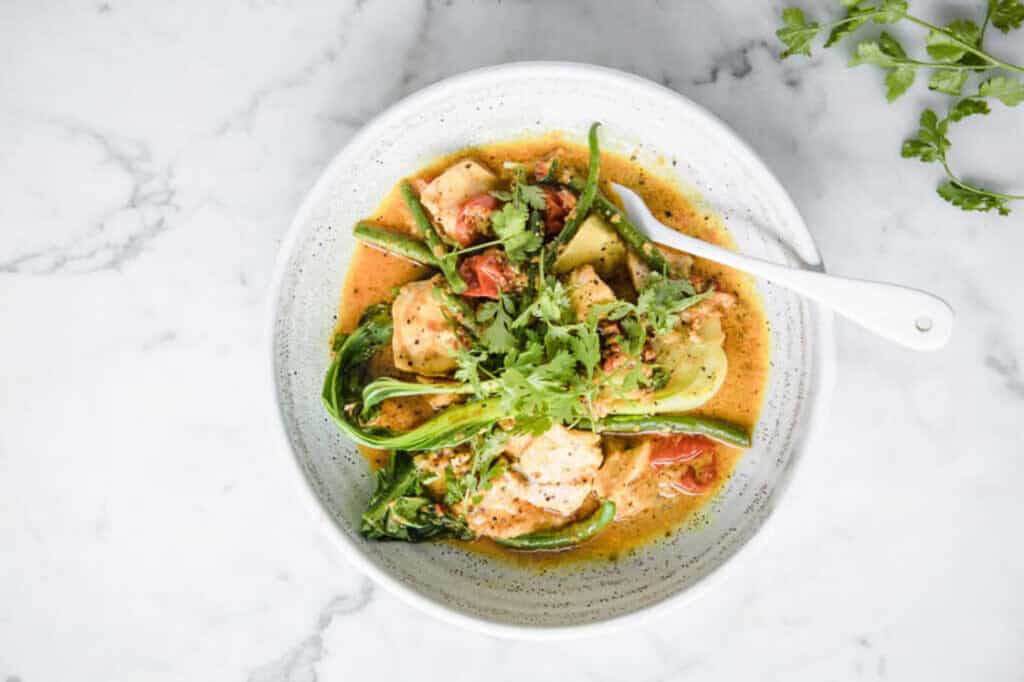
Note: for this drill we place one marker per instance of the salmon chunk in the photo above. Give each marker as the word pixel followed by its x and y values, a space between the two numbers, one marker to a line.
pixel 446 194
pixel 423 341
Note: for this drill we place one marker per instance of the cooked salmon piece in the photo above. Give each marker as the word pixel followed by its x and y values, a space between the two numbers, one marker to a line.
pixel 423 341
pixel 445 196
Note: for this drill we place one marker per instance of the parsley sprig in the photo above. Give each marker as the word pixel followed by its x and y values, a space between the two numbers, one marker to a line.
pixel 956 53
pixel 517 224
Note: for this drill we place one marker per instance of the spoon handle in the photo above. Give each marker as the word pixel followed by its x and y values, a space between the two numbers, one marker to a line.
pixel 910 317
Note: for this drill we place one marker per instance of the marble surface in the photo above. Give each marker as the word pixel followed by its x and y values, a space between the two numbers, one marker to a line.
pixel 151 157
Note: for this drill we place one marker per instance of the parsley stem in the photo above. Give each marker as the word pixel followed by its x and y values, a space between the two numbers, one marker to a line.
pixel 967 47
pixel 943 65
pixel 475 247
pixel 977 190
pixel 984 25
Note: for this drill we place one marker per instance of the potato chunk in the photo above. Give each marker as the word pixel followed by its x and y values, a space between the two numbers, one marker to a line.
pixel 444 196
pixel 596 243
pixel 423 341
pixel 679 266
pixel 587 289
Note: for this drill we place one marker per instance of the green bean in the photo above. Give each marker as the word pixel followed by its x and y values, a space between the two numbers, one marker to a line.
pixel 551 177
pixel 568 536
pixel 716 429
pixel 393 242
pixel 629 232
pixel 588 191
pixel 437 248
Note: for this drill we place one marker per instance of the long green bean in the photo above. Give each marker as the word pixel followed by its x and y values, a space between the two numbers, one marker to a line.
pixel 588 191
pixel 568 536
pixel 716 429
pixel 393 242
pixel 448 266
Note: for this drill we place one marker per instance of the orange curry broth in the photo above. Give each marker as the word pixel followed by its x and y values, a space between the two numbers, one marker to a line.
pixel 373 275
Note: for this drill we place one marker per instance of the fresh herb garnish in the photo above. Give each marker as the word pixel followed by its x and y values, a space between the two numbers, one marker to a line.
pixel 512 224
pixel 956 54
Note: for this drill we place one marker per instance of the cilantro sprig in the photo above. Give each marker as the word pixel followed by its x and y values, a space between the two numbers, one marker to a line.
pixel 517 224
pixel 955 52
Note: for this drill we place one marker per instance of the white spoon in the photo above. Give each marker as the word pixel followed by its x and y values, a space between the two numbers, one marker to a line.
pixel 909 317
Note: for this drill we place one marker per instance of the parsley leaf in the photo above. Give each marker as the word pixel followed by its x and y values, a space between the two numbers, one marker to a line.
pixel 957 55
pixel 885 52
pixel 1007 14
pixel 970 199
pixel 931 142
pixel 796 34
pixel 944 47
pixel 1009 91
pixel 662 299
pixel 496 336
pixel 468 367
pixel 890 55
pixel 854 19
pixel 898 81
pixel 949 82
pixel 968 107
pixel 531 196
pixel 891 11
pixel 510 225
pixel 456 488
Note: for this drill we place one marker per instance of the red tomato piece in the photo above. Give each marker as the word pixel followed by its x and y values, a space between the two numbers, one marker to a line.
pixel 559 203
pixel 473 218
pixel 679 447
pixel 695 482
pixel 487 274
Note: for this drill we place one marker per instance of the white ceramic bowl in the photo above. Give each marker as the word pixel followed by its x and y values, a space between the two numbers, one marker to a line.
pixel 508 102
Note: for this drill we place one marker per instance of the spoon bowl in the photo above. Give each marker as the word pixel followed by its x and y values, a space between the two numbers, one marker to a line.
pixel 910 317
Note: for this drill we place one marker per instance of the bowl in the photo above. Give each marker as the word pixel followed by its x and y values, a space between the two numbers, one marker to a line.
pixel 506 102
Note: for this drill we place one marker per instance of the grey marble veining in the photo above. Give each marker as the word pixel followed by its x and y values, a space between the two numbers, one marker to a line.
pixel 151 156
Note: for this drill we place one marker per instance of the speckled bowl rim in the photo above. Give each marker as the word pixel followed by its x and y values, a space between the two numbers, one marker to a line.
pixel 824 359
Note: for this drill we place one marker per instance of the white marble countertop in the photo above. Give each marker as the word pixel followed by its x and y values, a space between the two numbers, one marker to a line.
pixel 151 156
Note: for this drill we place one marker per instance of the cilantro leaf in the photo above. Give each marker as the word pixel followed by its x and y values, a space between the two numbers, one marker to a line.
pixel 891 47
pixel 944 47
pixel 531 196
pixel 870 52
pixel 456 488
pixel 889 54
pixel 931 142
pixel 1009 91
pixel 510 226
pixel 468 367
pixel 968 107
pixel 885 52
pixel 898 81
pixel 662 299
pixel 797 33
pixel 970 199
pixel 854 19
pixel 512 223
pixel 949 82
pixel 891 11
pixel 496 336
pixel 956 52
pixel 1007 14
